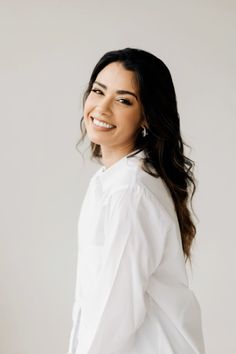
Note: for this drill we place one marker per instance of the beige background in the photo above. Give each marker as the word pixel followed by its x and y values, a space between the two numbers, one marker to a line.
pixel 48 49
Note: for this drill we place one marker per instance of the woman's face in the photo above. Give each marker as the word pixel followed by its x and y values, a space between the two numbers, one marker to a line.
pixel 113 100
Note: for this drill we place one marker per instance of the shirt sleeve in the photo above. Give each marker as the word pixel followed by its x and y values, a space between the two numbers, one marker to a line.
pixel 133 248
pixel 76 314
pixel 73 341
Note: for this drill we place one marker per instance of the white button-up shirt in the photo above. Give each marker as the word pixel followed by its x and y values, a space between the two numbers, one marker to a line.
pixel 132 294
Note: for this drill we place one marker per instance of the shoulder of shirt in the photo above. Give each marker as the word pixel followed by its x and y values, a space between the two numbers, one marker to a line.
pixel 127 179
pixel 135 182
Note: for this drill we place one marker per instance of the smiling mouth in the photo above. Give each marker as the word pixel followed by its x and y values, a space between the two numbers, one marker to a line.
pixel 101 123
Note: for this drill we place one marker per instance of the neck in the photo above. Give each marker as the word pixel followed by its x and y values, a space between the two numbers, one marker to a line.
pixel 111 156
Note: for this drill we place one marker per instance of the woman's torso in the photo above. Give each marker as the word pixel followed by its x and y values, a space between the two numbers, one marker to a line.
pixel 172 324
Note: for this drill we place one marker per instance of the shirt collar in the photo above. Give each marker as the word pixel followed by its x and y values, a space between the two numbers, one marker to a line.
pixel 108 175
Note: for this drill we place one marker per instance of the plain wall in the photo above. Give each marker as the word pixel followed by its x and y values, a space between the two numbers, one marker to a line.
pixel 48 49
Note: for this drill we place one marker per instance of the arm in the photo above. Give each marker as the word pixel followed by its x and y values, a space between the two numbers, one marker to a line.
pixel 116 307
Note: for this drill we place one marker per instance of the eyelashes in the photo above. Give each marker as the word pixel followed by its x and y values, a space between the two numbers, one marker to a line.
pixel 122 100
pixel 96 91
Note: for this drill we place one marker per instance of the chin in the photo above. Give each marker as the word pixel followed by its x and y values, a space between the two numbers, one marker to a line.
pixel 94 140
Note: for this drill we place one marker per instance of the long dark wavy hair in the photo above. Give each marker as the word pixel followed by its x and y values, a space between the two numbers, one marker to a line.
pixel 163 146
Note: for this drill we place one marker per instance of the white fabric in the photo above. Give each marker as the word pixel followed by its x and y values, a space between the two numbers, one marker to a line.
pixel 132 293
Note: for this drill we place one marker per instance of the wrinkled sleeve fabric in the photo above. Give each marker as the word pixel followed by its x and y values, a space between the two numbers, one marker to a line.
pixel 133 248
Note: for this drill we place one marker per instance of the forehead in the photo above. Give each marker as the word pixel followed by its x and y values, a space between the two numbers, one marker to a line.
pixel 116 77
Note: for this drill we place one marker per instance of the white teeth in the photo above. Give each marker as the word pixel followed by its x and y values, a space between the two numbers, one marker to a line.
pixel 102 124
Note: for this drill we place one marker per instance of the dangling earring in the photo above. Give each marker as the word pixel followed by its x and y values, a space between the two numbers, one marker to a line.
pixel 144 132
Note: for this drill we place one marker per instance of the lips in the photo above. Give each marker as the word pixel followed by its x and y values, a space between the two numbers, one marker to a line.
pixel 103 121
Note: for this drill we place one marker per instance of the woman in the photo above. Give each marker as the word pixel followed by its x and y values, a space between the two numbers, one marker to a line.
pixel 135 227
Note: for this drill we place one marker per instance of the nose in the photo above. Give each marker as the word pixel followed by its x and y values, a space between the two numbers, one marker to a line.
pixel 104 106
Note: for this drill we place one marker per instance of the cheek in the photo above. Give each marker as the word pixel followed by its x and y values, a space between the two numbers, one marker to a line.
pixel 130 120
pixel 87 106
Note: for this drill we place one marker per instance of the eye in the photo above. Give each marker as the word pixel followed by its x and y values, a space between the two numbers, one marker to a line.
pixel 121 100
pixel 125 101
pixel 97 91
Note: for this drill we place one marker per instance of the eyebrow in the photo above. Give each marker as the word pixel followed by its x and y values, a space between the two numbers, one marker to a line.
pixel 122 92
